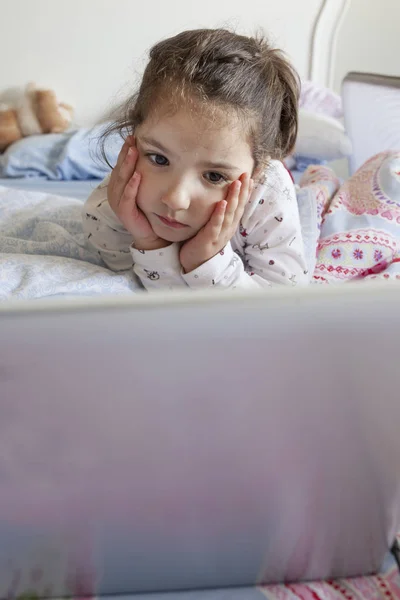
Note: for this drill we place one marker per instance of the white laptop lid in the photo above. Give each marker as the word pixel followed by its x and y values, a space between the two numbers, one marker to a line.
pixel 162 444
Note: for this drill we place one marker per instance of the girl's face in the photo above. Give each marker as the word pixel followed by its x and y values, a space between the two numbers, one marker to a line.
pixel 187 164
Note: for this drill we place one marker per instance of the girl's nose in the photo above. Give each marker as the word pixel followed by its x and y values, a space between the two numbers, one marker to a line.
pixel 177 197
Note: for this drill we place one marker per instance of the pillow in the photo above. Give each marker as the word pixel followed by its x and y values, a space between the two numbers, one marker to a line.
pixel 321 137
pixel 318 99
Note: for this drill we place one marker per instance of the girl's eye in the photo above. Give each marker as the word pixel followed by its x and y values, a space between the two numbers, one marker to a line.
pixel 158 159
pixel 215 178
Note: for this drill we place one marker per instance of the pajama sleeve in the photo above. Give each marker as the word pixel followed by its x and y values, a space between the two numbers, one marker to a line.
pixel 159 268
pixel 104 232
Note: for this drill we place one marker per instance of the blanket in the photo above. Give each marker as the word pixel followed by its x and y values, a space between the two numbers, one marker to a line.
pixel 359 221
pixel 43 253
pixel 72 155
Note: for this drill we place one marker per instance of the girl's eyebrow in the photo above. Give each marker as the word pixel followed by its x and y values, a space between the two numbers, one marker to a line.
pixel 152 142
pixel 223 166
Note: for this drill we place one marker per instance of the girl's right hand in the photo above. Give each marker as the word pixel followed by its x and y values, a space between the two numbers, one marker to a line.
pixel 122 191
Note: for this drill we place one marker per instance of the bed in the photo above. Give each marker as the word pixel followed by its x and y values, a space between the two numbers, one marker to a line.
pixel 42 251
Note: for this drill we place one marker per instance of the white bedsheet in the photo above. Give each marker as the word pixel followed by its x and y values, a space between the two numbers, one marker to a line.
pixel 42 251
pixel 72 189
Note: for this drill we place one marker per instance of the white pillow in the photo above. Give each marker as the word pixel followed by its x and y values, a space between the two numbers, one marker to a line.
pixel 321 137
pixel 319 99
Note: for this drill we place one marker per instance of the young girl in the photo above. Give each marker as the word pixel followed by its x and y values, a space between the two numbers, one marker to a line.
pixel 199 196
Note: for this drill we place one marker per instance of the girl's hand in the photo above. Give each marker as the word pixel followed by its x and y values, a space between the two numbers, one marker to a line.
pixel 122 191
pixel 220 228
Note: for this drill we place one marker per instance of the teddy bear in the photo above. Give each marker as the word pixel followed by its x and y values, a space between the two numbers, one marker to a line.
pixel 38 111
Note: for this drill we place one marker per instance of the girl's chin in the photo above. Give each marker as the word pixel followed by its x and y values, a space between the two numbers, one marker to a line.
pixel 177 237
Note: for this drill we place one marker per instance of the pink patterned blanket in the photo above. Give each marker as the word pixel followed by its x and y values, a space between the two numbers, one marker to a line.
pixel 359 221
pixel 385 586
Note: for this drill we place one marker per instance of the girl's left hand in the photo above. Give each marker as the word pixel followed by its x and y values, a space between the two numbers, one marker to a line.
pixel 220 228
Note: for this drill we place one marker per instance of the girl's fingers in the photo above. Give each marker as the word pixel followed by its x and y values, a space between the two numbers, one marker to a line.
pixel 122 155
pixel 127 204
pixel 127 167
pixel 232 200
pixel 122 176
pixel 244 195
pixel 216 221
pixel 245 190
pixel 130 141
pixel 237 198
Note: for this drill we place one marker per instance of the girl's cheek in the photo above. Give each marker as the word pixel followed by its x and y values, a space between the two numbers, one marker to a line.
pixel 147 193
pixel 142 191
pixel 205 210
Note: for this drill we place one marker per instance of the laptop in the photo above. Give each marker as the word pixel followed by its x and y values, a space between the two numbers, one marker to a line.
pixel 198 441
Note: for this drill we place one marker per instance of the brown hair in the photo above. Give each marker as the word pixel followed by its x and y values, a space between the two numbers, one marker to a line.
pixel 224 69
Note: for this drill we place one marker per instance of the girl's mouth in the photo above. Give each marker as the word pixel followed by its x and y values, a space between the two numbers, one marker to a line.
pixel 171 222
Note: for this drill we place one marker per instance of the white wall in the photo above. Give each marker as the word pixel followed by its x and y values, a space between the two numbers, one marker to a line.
pixel 368 39
pixel 89 50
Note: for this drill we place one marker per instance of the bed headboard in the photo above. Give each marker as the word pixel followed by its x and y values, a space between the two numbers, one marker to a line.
pixel 92 51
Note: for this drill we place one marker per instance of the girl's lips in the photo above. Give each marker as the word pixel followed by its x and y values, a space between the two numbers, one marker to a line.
pixel 171 223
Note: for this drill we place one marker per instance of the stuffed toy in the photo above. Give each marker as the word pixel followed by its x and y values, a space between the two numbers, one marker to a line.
pixel 38 111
